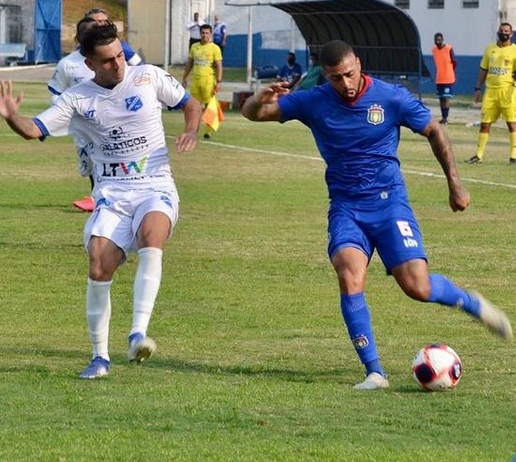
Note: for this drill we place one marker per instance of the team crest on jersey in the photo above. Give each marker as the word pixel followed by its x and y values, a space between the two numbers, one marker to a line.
pixel 133 103
pixel 144 79
pixel 375 114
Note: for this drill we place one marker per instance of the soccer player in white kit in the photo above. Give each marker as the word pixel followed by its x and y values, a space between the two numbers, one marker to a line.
pixel 119 113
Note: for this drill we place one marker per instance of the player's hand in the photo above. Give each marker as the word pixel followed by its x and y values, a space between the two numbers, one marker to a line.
pixel 477 96
pixel 459 200
pixel 185 83
pixel 8 105
pixel 273 92
pixel 186 141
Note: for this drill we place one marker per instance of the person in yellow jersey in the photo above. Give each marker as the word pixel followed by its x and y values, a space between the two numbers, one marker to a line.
pixel 205 58
pixel 498 72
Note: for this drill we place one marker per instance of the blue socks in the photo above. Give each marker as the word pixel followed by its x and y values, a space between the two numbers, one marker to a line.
pixel 445 292
pixel 358 321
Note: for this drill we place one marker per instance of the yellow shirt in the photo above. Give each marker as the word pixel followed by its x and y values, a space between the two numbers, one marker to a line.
pixel 500 64
pixel 204 57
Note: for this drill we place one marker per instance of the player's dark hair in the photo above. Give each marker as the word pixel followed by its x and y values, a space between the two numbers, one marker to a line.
pixel 83 26
pixel 334 52
pixel 438 34
pixel 98 36
pixel 206 26
pixel 506 24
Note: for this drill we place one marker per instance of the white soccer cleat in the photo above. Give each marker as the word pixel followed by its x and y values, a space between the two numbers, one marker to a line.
pixel 140 348
pixel 373 381
pixel 494 318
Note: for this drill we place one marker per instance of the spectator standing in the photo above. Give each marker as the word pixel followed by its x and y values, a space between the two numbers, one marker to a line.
pixel 194 27
pixel 220 33
pixel 497 71
pixel 290 72
pixel 445 65
pixel 356 121
pixel 205 62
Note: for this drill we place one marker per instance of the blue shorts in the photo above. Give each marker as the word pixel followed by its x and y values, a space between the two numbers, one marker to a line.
pixel 444 90
pixel 385 223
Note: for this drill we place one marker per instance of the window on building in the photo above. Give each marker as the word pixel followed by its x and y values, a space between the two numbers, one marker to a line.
pixel 436 4
pixel 470 3
pixel 402 4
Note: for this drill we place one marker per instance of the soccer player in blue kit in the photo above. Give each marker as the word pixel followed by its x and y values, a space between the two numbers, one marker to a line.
pixel 356 120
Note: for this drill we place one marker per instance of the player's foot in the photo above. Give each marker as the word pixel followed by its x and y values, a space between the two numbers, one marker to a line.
pixel 494 318
pixel 474 160
pixel 512 161
pixel 443 121
pixel 140 348
pixel 207 136
pixel 97 368
pixel 86 204
pixel 373 381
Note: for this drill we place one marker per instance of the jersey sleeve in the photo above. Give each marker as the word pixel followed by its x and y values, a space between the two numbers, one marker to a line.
pixel 55 121
pixel 292 106
pixel 132 58
pixel 413 113
pixel 58 82
pixel 484 63
pixel 217 54
pixel 169 91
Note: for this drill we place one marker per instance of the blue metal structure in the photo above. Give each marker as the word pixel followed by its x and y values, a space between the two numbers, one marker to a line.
pixel 47 31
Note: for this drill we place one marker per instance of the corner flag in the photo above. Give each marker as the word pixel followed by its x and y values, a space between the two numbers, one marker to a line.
pixel 213 115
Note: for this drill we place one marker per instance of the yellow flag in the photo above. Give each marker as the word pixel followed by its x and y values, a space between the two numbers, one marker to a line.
pixel 213 115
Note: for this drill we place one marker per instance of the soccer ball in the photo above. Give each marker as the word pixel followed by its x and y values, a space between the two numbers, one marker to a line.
pixel 437 367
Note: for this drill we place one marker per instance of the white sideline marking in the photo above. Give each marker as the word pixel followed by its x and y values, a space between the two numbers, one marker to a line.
pixel 409 172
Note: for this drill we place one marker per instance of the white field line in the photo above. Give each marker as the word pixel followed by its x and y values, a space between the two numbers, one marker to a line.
pixel 319 159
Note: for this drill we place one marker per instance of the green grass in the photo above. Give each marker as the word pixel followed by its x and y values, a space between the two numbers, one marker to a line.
pixel 253 362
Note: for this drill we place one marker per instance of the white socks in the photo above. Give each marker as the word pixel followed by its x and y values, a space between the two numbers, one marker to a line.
pixel 146 287
pixel 98 313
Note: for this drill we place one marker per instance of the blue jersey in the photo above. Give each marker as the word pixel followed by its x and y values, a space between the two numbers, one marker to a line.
pixel 358 140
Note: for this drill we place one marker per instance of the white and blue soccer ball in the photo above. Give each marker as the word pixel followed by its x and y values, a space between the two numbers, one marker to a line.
pixel 437 367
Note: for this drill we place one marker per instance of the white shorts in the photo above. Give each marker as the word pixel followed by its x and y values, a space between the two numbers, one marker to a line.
pixel 119 213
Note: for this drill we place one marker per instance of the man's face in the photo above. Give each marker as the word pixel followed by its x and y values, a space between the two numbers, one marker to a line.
pixel 504 32
pixel 108 63
pixel 439 42
pixel 345 77
pixel 196 17
pixel 205 35
pixel 291 59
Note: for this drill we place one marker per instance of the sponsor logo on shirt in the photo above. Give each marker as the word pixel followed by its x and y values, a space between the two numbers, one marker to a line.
pixel 375 114
pixel 144 79
pixel 121 169
pixel 498 70
pixel 133 103
pixel 89 114
pixel 120 142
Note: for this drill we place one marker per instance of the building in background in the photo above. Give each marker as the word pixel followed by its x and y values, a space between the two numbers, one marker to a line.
pixel 469 24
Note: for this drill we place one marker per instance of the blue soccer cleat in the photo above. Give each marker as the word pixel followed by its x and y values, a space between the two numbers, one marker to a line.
pixel 97 368
pixel 140 347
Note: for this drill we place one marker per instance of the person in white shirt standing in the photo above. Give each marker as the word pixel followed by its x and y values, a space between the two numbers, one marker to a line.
pixel 137 205
pixel 194 27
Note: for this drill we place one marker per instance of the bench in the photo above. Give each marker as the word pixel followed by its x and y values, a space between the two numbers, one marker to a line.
pixel 12 52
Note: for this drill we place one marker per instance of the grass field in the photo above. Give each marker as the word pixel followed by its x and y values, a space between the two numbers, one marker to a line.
pixel 253 361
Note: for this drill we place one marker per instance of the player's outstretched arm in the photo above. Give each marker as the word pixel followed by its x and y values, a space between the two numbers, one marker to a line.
pixel 192 111
pixel 458 196
pixel 24 126
pixel 264 106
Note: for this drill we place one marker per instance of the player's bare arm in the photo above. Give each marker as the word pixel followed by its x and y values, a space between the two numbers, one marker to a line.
pixel 263 106
pixel 23 126
pixel 188 68
pixel 218 75
pixel 187 141
pixel 482 75
pixel 458 196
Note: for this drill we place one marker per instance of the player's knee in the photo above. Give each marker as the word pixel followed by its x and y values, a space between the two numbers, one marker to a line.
pixel 100 272
pixel 417 289
pixel 350 282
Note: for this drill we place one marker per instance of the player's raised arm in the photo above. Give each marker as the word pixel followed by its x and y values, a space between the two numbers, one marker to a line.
pixel 24 126
pixel 263 106
pixel 443 152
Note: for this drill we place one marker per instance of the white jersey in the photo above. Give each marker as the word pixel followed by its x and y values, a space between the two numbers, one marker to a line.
pixel 122 126
pixel 69 71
